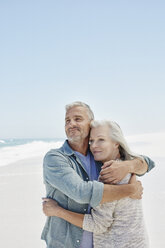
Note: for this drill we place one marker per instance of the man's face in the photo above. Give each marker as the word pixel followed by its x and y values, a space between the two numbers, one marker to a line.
pixel 77 124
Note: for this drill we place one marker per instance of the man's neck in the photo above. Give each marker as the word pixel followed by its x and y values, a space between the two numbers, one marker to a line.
pixel 81 147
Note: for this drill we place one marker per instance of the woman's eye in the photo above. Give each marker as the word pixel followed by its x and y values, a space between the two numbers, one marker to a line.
pixel 90 142
pixel 101 140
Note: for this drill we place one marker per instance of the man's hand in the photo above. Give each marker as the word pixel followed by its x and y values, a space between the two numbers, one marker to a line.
pixel 113 171
pixel 138 188
pixel 50 207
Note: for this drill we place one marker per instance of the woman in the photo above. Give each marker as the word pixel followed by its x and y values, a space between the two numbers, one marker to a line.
pixel 117 224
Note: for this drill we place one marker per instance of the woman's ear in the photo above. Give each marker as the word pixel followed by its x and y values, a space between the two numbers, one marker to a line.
pixel 116 145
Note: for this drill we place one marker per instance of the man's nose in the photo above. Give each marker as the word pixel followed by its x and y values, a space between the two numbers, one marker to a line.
pixel 72 123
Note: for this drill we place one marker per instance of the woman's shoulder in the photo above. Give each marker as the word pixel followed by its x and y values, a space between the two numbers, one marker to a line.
pixel 126 179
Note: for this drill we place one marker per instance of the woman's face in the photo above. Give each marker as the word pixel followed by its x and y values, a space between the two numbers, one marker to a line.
pixel 102 146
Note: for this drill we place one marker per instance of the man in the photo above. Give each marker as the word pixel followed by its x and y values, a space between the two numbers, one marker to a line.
pixel 70 175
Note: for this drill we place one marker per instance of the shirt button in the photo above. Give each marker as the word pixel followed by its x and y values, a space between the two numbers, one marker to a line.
pixel 87 178
pixel 78 241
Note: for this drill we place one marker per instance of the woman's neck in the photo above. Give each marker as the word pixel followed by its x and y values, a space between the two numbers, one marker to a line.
pixel 115 156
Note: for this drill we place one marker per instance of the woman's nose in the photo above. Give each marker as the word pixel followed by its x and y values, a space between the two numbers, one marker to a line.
pixel 93 144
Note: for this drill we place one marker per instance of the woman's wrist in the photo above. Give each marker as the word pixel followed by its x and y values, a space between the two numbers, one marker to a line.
pixel 60 212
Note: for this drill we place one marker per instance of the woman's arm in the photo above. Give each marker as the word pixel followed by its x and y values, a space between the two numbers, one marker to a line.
pixel 51 208
pixel 72 217
pixel 98 221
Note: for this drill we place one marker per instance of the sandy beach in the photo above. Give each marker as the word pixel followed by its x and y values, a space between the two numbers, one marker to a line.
pixel 21 189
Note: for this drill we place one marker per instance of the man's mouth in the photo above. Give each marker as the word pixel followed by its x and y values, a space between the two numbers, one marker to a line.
pixel 73 129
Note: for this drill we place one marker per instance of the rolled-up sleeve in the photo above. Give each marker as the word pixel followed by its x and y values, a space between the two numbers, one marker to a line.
pixel 150 163
pixel 60 175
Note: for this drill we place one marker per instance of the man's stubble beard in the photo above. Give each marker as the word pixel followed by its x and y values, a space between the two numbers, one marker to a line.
pixel 75 140
pixel 78 139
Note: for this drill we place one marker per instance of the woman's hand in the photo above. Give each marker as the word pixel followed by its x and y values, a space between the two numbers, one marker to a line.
pixel 50 207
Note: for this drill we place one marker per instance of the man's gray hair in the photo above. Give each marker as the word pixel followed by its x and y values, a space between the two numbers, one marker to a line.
pixel 81 104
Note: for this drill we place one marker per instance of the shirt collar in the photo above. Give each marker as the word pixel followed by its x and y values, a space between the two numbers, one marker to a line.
pixel 68 151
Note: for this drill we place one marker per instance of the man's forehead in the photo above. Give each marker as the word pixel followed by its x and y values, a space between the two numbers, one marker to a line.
pixel 76 111
pixel 76 115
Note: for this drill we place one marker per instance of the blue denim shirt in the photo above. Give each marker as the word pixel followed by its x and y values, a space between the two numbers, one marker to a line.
pixel 67 182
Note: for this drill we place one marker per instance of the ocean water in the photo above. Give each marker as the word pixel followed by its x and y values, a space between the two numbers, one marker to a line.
pixel 13 150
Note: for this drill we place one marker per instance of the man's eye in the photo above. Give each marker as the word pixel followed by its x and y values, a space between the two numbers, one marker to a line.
pixel 78 119
pixel 67 122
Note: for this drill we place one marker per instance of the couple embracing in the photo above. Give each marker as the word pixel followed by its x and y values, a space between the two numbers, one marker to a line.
pixel 92 196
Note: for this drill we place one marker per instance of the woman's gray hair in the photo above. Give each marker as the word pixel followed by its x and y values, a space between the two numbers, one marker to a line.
pixel 81 104
pixel 116 135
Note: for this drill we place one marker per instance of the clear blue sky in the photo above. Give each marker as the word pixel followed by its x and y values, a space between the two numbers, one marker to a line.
pixel 110 54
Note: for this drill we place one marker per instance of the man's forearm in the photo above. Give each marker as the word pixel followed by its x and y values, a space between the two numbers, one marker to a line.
pixel 117 192
pixel 137 166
